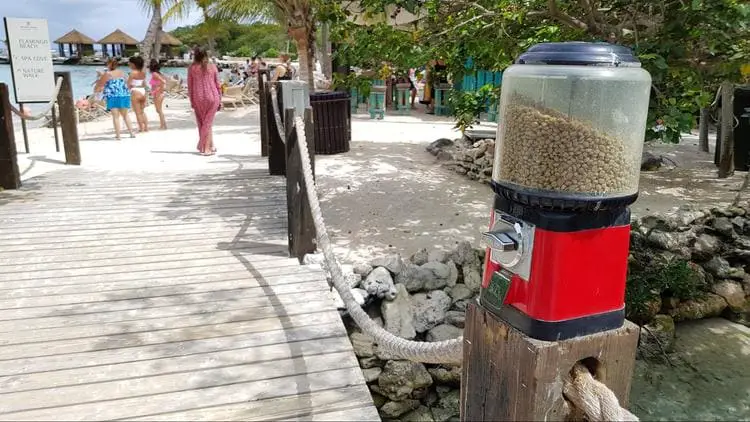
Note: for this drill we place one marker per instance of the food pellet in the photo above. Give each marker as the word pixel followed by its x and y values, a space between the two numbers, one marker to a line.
pixel 544 149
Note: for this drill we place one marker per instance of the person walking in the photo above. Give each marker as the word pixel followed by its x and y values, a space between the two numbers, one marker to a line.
pixel 204 91
pixel 137 85
pixel 157 83
pixel 115 89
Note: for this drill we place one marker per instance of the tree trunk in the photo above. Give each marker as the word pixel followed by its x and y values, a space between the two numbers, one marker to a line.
pixel 210 39
pixel 148 49
pixel 325 55
pixel 305 38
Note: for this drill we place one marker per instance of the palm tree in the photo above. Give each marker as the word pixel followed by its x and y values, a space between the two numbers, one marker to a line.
pixel 298 15
pixel 211 22
pixel 151 45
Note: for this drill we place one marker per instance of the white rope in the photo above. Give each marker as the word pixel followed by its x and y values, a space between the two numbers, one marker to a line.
pixel 49 106
pixel 449 351
pixel 593 398
pixel 588 395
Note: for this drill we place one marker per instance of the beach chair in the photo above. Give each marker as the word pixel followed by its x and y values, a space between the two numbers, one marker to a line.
pixel 250 92
pixel 233 96
pixel 175 89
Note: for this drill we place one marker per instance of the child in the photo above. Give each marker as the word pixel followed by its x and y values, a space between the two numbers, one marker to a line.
pixel 157 84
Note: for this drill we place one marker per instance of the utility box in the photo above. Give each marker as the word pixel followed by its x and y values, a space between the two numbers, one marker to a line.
pixel 295 94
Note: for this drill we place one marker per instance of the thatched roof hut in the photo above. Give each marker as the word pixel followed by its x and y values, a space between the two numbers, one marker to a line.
pixel 169 39
pixel 84 44
pixel 120 39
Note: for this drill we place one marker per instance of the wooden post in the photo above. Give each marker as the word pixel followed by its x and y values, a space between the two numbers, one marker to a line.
pixel 263 115
pixel 310 137
pixel 276 149
pixel 726 164
pixel 24 129
pixel 509 376
pixel 10 177
pixel 54 127
pixel 68 125
pixel 703 125
pixel 301 229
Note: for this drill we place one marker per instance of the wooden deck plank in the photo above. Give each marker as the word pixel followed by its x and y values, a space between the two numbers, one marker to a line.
pixel 237 392
pixel 165 295
pixel 281 408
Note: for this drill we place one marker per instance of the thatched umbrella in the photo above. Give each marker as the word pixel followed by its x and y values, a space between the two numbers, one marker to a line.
pixel 126 43
pixel 84 44
pixel 167 42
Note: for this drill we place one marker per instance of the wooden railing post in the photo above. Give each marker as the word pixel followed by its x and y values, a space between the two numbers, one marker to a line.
pixel 703 126
pixel 300 223
pixel 726 163
pixel 10 177
pixel 276 149
pixel 263 115
pixel 508 376
pixel 68 125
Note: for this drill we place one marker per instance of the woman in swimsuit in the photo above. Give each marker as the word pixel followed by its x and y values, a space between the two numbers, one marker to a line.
pixel 115 90
pixel 137 85
pixel 157 84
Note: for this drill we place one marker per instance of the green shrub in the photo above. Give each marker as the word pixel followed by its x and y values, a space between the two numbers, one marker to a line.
pixel 466 106
pixel 244 51
pixel 271 53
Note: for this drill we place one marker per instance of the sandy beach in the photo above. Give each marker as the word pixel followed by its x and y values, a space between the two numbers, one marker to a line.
pixel 386 194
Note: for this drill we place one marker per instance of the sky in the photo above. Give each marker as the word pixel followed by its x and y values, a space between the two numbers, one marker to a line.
pixel 95 18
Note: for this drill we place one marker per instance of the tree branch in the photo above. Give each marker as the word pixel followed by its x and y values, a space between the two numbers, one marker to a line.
pixel 563 17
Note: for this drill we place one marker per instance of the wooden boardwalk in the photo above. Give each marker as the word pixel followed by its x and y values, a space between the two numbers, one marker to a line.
pixel 165 295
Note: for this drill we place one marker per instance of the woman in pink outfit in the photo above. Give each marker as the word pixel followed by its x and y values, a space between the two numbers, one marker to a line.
pixel 204 91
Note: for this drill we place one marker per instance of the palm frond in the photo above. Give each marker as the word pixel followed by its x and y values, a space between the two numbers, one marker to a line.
pixel 244 10
pixel 178 9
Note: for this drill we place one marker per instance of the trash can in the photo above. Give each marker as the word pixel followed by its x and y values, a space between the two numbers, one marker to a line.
pixel 332 121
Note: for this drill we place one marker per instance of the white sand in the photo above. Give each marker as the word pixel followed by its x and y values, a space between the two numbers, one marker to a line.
pixel 387 193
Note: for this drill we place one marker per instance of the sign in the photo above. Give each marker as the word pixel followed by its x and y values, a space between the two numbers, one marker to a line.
pixel 30 60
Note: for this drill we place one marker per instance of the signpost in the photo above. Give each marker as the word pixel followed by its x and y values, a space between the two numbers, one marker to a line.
pixel 30 62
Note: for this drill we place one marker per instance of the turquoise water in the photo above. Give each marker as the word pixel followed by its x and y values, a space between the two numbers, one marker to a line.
pixel 83 78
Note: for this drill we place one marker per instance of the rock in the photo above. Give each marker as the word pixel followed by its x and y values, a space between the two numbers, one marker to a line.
pixel 442 275
pixel 724 226
pixel 447 406
pixel 421 414
pixel 718 267
pixel 444 156
pixel 709 306
pixel 370 362
pixel 394 409
pixel 463 254
pixel 438 256
pixel 371 374
pixel 671 241
pixel 657 338
pixel 746 284
pixel 362 268
pixel 450 376
pixel 443 332
pixel 705 247
pixel 460 305
pixel 738 223
pixel 363 345
pixel 380 284
pixel 439 145
pixel 684 217
pixel 651 162
pixel 359 296
pixel 398 315
pixel 421 257
pixel 472 278
pixel 401 377
pixel 429 309
pixel 415 278
pixel 732 292
pixel 456 318
pixel 314 259
pixel 460 292
pixel 392 263
pixel 378 399
pixel 647 312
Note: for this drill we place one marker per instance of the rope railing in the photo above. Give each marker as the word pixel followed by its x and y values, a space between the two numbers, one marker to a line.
pixel 47 108
pixel 584 395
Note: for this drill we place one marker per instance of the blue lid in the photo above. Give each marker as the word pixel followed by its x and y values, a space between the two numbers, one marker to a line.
pixel 578 53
